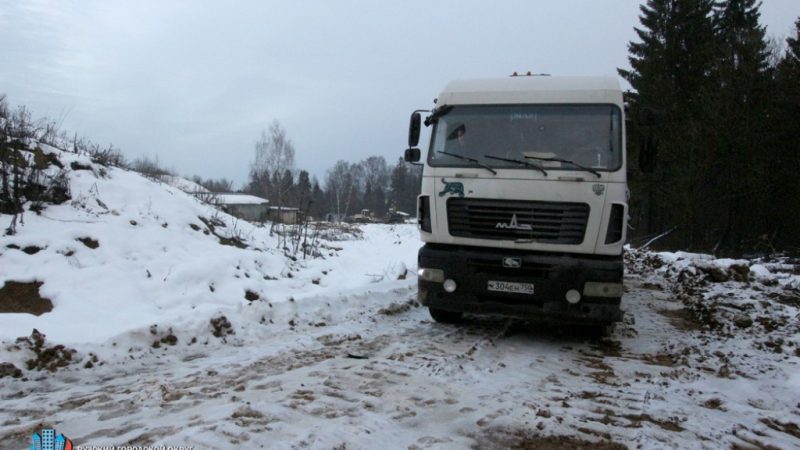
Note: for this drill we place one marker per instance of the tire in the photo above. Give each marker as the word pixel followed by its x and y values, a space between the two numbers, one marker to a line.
pixel 444 316
pixel 605 330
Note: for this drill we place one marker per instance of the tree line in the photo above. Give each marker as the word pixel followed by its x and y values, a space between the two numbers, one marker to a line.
pixel 347 189
pixel 715 117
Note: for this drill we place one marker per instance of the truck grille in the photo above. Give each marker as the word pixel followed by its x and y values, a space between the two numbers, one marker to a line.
pixel 546 222
pixel 494 268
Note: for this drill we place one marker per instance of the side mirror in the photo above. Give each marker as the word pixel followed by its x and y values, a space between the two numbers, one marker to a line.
pixel 412 155
pixel 648 153
pixel 413 130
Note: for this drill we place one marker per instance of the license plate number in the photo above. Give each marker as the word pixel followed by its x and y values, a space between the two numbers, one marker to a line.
pixel 513 288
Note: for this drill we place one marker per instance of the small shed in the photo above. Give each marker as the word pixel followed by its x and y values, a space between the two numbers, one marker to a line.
pixel 244 206
pixel 284 214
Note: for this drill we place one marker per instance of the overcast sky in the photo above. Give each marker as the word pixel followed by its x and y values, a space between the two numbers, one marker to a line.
pixel 195 82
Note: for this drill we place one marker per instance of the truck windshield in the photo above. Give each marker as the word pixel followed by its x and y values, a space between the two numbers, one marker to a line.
pixel 589 135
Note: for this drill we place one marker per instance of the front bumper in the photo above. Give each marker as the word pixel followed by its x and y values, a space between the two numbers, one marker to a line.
pixel 551 274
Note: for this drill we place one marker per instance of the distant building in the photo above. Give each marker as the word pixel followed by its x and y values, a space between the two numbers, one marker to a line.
pixel 284 214
pixel 244 206
pixel 397 217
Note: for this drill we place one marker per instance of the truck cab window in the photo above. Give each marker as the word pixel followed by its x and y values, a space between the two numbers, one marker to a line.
pixel 589 135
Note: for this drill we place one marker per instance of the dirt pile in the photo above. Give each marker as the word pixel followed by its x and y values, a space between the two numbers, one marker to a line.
pixel 18 297
pixel 756 299
pixel 49 358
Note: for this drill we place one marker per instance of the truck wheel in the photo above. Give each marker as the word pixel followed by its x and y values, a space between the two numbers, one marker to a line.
pixel 605 330
pixel 444 316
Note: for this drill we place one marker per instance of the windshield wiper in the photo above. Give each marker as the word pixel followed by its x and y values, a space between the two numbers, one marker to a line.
pixel 472 160
pixel 437 112
pixel 567 162
pixel 518 161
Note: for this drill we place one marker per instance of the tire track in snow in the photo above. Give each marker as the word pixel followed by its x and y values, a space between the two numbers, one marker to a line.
pixel 421 384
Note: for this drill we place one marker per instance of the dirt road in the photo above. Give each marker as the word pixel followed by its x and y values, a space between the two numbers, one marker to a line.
pixel 374 371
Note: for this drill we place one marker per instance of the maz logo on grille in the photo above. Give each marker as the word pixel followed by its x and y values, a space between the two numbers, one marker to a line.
pixel 513 225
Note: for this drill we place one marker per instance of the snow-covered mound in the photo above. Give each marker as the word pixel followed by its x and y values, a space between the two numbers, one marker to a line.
pixel 754 302
pixel 126 253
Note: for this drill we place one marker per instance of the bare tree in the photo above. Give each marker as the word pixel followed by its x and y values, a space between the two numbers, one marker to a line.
pixel 376 171
pixel 339 185
pixel 376 182
pixel 274 155
pixel 345 182
pixel 150 168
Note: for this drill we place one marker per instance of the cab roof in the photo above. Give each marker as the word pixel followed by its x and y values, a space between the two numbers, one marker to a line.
pixel 532 89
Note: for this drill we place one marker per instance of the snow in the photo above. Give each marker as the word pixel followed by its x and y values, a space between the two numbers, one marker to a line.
pixel 188 186
pixel 238 199
pixel 150 266
pixel 150 263
pixel 336 353
pixel 761 272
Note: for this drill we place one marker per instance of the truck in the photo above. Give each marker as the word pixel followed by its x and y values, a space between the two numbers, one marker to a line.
pixel 524 201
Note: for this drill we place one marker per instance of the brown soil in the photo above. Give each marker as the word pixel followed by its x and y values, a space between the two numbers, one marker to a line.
pixel 16 297
pixel 32 249
pixel 682 319
pixel 221 326
pixel 89 242
pixel 786 427
pixel 47 358
pixel 668 425
pixel 527 440
pixel 9 370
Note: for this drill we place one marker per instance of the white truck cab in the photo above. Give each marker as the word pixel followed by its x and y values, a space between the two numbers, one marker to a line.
pixel 523 202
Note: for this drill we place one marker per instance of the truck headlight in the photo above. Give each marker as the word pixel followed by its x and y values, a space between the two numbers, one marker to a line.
pixel 597 289
pixel 573 296
pixel 432 275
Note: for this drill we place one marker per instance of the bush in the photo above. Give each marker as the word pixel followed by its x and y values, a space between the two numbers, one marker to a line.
pixel 150 168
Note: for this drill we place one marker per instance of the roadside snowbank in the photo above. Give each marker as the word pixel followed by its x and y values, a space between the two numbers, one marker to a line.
pixel 126 253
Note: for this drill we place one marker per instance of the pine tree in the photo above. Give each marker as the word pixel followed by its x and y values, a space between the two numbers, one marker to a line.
pixel 792 58
pixel 671 74
pixel 785 127
pixel 741 161
pixel 367 201
pixel 302 191
pixel 319 206
pixel 788 78
pixel 259 185
pixel 672 62
pixel 399 186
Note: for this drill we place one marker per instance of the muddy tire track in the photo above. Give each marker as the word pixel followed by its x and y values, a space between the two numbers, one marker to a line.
pixel 380 374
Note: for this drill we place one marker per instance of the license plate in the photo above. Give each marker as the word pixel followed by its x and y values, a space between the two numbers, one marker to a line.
pixel 513 288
